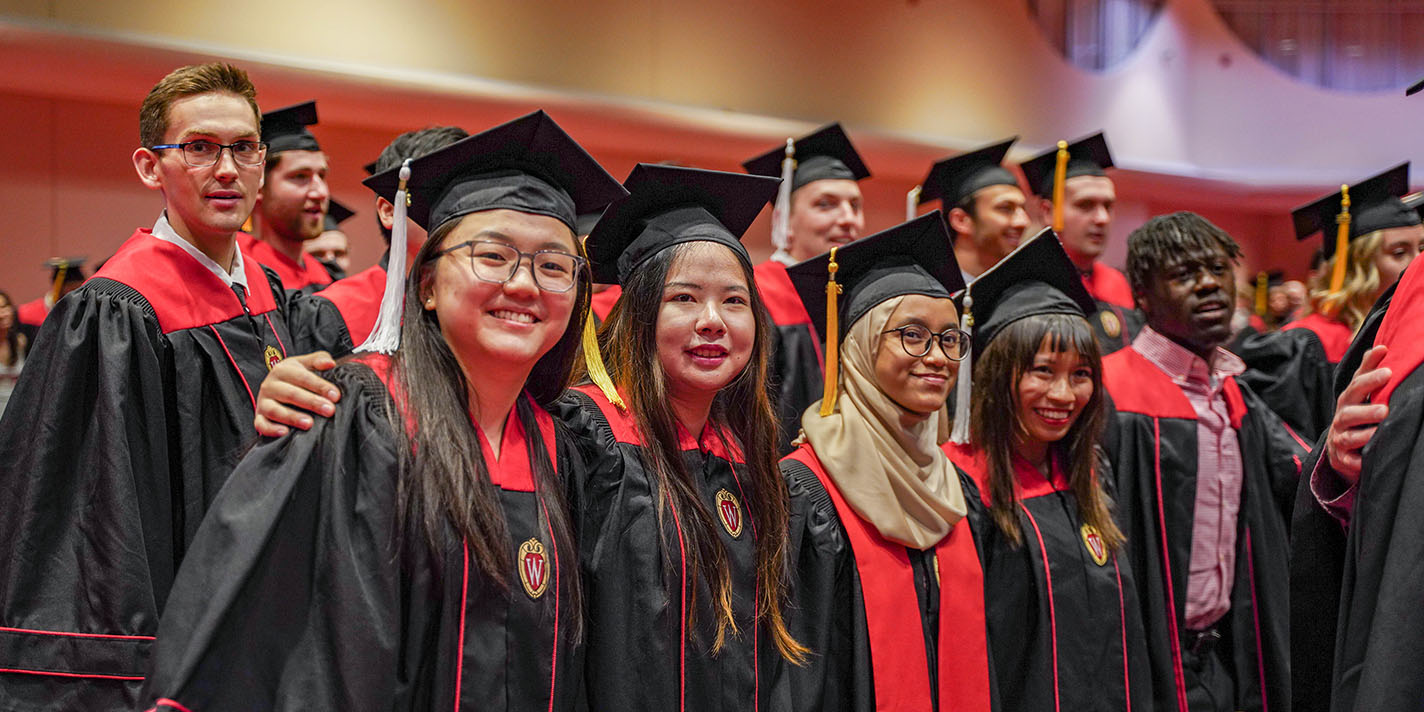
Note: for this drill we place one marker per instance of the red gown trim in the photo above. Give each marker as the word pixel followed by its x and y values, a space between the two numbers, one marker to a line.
pixel 1333 335
pixel 294 275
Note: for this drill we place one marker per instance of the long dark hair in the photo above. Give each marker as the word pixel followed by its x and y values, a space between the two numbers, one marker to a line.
pixel 12 337
pixel 445 481
pixel 629 340
pixel 995 426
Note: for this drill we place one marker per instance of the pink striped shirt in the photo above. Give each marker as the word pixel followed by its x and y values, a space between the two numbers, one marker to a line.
pixel 1219 472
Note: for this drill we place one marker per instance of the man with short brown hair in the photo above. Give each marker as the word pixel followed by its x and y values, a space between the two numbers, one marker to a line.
pixel 137 408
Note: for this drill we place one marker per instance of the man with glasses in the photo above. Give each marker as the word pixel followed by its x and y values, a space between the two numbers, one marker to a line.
pixel 136 410
pixel 292 204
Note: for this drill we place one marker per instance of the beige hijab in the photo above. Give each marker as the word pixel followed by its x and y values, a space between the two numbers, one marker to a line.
pixel 897 479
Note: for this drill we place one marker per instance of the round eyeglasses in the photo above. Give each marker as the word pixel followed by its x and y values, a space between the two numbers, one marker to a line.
pixel 201 154
pixel 916 340
pixel 497 262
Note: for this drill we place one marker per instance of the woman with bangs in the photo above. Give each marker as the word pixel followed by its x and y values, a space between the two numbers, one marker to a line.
pixel 1064 626
pixel 414 550
pixel 681 514
pixel 889 587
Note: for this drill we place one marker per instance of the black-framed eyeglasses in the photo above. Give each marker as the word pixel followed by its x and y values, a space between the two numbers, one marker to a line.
pixel 201 153
pixel 553 271
pixel 916 341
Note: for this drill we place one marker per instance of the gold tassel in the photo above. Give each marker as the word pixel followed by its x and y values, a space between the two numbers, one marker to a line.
pixel 1342 242
pixel 833 332
pixel 593 358
pixel 1060 175
pixel 1262 286
pixel 59 275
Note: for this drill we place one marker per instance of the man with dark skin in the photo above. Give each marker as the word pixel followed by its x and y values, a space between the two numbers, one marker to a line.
pixel 1205 474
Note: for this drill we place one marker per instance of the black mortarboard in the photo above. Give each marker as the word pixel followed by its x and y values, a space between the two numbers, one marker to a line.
pixel 336 213
pixel 823 154
pixel 64 270
pixel 529 165
pixel 913 257
pixel 669 205
pixel 1415 202
pixel 1374 205
pixel 1086 157
pixel 370 168
pixel 1275 278
pixel 953 179
pixel 286 129
pixel 585 222
pixel 1036 278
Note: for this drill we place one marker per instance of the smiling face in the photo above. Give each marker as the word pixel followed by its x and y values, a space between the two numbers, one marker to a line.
pixel 294 197
pixel 1052 393
pixel 210 202
pixel 705 326
pixel 1087 214
pixel 996 225
pixel 1190 300
pixel 921 384
pixel 824 213
pixel 492 328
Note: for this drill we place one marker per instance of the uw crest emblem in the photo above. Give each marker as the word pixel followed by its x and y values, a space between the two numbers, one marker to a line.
pixel 533 568
pixel 273 356
pixel 1111 326
pixel 730 512
pixel 1093 542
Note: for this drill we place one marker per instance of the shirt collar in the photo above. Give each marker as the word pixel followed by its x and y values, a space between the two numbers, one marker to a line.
pixel 1183 366
pixel 164 231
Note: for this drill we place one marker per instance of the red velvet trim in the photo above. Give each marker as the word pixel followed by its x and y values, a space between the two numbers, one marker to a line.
pixel 602 302
pixel 165 702
pixel 235 367
pixel 512 470
pixel 1028 481
pixel 898 663
pixel 464 604
pixel 1138 386
pixel 1333 335
pixel 779 294
pixel 1235 402
pixel 1256 621
pixel 715 441
pixel 294 275
pixel 358 299
pixel 1171 612
pixel 50 673
pixel 77 635
pixel 182 292
pixel 32 313
pixel 1107 284
pixel 1122 620
pixel 1400 332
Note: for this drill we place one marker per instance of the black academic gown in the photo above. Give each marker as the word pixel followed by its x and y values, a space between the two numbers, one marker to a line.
pixel 795 377
pixel 888 626
pixel 1064 623
pixel 133 408
pixel 340 317
pixel 1318 551
pixel 1290 372
pixel 651 624
pixel 1115 326
pixel 1152 445
pixel 303 591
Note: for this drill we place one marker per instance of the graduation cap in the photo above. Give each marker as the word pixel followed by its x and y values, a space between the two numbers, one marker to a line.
pixel 1265 280
pixel 336 213
pixel 840 286
pixel 584 224
pixel 1036 278
pixel 370 168
pixel 64 270
pixel 1415 202
pixel 1047 172
pixel 668 205
pixel 1356 211
pixel 285 129
pixel 529 165
pixel 823 154
pixel 951 180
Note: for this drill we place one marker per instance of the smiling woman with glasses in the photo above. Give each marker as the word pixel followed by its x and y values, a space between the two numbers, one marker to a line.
pixel 888 589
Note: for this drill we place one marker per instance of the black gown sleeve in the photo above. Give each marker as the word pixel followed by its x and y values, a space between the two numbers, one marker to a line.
pixel 86 475
pixel 290 597
pixel 317 325
pixel 1289 371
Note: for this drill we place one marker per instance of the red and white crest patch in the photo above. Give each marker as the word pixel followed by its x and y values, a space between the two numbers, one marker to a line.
pixel 533 568
pixel 1095 545
pixel 273 356
pixel 729 510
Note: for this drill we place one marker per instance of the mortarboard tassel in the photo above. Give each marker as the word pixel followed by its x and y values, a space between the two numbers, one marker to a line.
pixel 912 202
pixel 61 270
pixel 593 358
pixel 1060 176
pixel 781 212
pixel 959 434
pixel 1262 286
pixel 833 332
pixel 385 336
pixel 1342 242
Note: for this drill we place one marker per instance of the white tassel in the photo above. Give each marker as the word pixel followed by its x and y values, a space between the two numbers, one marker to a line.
pixel 960 433
pixel 781 212
pixel 912 202
pixel 385 336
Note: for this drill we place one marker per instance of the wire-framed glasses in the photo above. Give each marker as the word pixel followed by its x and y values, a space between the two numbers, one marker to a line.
pixel 553 271
pixel 201 153
pixel 916 341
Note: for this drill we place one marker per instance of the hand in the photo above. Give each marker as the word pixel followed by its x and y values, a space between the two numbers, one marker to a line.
pixel 293 382
pixel 1356 420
